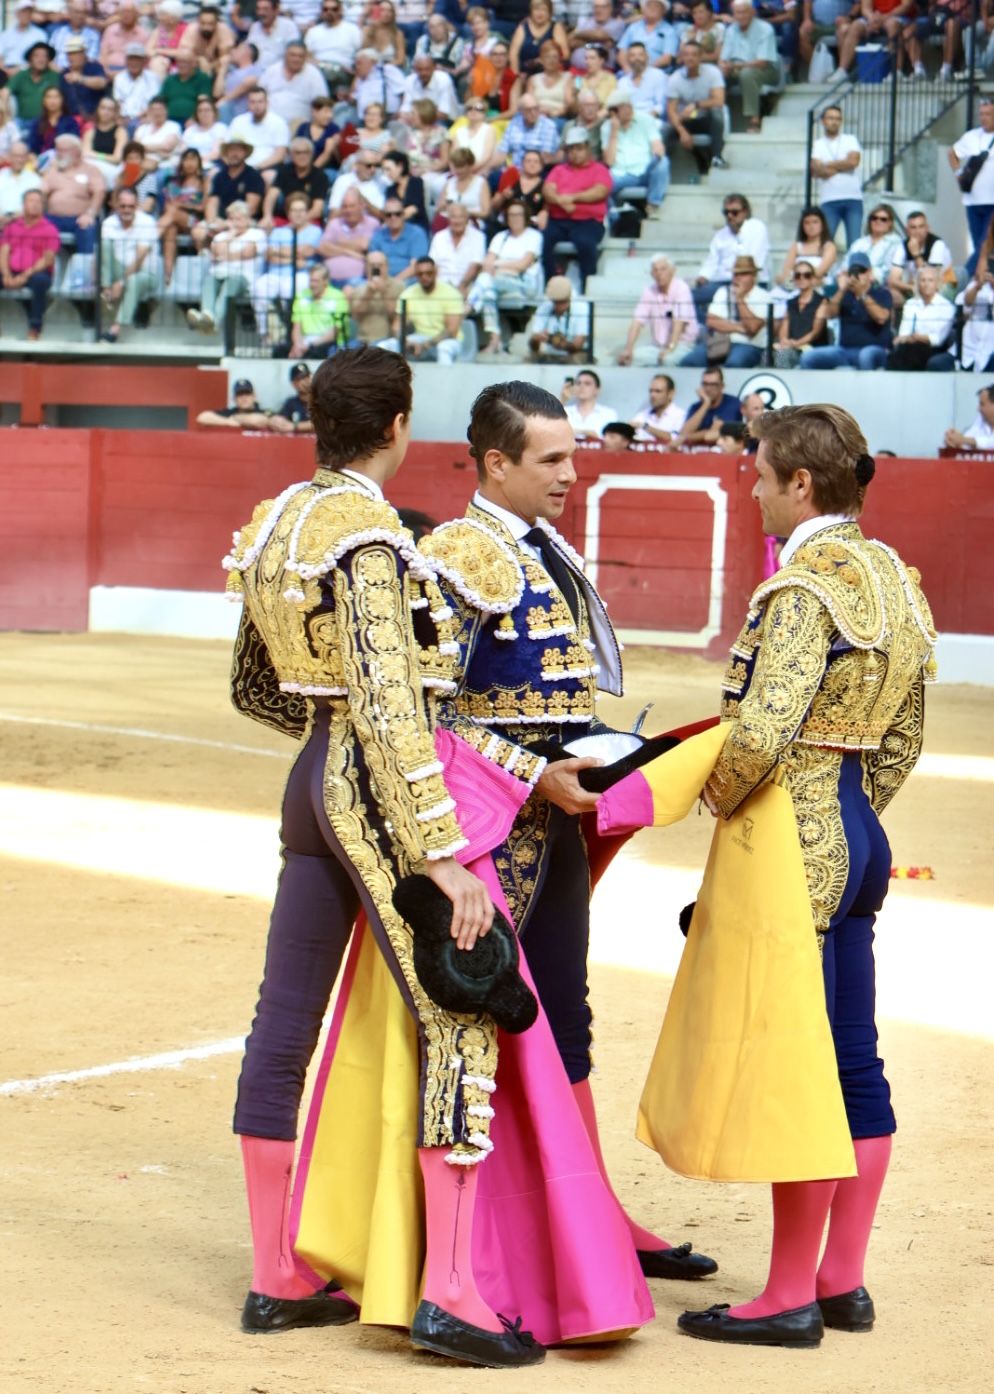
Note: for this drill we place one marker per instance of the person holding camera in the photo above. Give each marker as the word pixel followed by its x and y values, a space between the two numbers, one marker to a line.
pixel 561 328
pixel 969 159
pixel 374 301
pixel 863 311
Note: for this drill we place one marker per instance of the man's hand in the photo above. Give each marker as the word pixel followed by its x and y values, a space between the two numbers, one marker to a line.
pixel 625 357
pixel 686 139
pixel 560 785
pixel 472 908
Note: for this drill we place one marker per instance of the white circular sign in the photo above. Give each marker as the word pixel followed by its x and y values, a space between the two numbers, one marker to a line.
pixel 773 390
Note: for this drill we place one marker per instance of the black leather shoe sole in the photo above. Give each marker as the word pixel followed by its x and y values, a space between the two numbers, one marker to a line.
pixel 438 1331
pixel 264 1315
pixel 680 1263
pixel 850 1311
pixel 801 1328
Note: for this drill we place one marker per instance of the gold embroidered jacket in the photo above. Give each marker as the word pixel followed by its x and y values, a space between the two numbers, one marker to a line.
pixel 832 658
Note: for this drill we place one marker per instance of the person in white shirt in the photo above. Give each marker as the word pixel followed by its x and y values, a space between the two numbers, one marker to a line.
pixel 920 248
pixel 130 269
pixel 512 273
pixel 835 160
pixel 428 80
pixel 362 178
pixel 303 13
pixel 270 32
pixel 925 330
pixel 585 414
pixel 980 435
pixel 333 44
pixel 18 37
pixel 265 131
pixel 741 311
pixel 135 85
pixel 292 85
pixel 376 82
pixel 237 258
pixel 742 235
pixel 459 250
pixel 160 136
pixel 661 421
pixel 978 202
pixel 644 86
pixel 977 302
pixel 15 181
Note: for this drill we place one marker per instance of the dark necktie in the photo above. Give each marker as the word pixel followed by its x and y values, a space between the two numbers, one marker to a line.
pixel 556 568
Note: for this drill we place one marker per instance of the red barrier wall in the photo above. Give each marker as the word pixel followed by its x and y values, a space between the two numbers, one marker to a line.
pixel 157 509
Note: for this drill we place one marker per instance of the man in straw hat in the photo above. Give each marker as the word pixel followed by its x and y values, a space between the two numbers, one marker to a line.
pixel 736 322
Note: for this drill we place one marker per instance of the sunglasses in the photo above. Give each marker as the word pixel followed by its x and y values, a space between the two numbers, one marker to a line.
pixel 803 275
pixel 393 215
pixel 879 218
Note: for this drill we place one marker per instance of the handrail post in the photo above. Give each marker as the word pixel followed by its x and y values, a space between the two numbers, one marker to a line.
pixel 97 277
pixel 808 182
pixel 895 53
pixel 971 85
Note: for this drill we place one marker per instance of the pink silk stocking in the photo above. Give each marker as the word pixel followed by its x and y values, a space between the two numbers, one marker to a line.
pixel 450 1199
pixel 641 1238
pixel 851 1218
pixel 268 1166
pixel 800 1209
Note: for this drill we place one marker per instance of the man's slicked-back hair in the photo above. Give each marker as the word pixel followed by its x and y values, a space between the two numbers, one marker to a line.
pixel 499 418
pixel 355 397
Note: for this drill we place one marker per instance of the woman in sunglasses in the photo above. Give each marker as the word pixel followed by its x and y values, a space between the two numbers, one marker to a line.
pixel 473 132
pixel 813 243
pixel 801 327
pixel 879 244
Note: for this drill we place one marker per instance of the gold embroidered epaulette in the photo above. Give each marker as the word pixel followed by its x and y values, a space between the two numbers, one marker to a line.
pixel 841 575
pixel 484 570
pixel 248 542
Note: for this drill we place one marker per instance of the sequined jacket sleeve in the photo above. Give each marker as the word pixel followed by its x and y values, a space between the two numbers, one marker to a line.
pixel 255 685
pixel 371 593
pixel 886 769
pixel 790 664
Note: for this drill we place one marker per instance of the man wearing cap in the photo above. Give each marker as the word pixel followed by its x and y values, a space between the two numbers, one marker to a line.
pixel 695 105
pixel 656 35
pixel 237 182
pixel 135 86
pixel 28 248
pixel 264 131
pixel 864 314
pixel 560 330
pixel 633 151
pixel 30 83
pixel 645 86
pixel 122 34
pixel 183 86
pixel 528 129
pixel 84 81
pixel 74 192
pixel 294 416
pixel 576 195
pixel 244 415
pixel 739 311
pixel 18 37
pixel 209 40
pixel 978 201
pixel 667 308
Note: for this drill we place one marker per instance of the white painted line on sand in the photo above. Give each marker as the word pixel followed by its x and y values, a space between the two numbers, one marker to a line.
pixel 166 1060
pixel 142 734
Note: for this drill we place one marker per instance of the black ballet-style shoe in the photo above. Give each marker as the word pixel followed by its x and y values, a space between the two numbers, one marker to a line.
pixel 440 1332
pixel 850 1311
pixel 801 1328
pixel 680 1262
pixel 263 1315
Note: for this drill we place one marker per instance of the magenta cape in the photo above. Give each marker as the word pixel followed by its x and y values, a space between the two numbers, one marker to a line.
pixel 550 1241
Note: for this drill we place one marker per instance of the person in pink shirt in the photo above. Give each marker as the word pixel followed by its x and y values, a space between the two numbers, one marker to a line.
pixel 576 195
pixel 125 30
pixel 28 246
pixel 667 307
pixel 346 240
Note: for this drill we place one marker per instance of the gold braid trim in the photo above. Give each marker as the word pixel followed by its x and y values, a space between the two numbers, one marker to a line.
pixel 480 566
pixel 812 778
pixel 255 686
pixel 886 769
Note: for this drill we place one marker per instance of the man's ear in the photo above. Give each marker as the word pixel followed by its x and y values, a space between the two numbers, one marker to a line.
pixel 495 465
pixel 801 482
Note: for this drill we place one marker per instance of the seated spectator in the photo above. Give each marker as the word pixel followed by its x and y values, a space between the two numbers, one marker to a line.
pixel 294 416
pixel 753 405
pixel 633 152
pixel 667 307
pixel 237 182
pixel 946 22
pixel 599 28
pixel 266 134
pixel 820 20
pixel 129 262
pixel 236 259
pixel 184 199
pixel 713 408
pixel 441 43
pixel 405 186
pixel 244 415
pixel 428 325
pixel 16 179
pixel 83 82
pixel 977 303
pixel 881 22
pixel 479 43
pixel 533 31
pixel 212 42
pixel 497 82
pixel 742 235
pixel 812 244
pixel 160 136
pixel 979 435
pixel 76 26
pixel 373 302
pixel 653 31
pixel 597 80
pixel 920 248
pixel 426 144
pixel 10 131
pixel 166 37
pixel 560 331
pixel 183 87
pixel 585 413
pixel 322 132
pixel 291 250
pixel 400 241
pixel 32 80
pixel 74 192
pixel 552 86
pixel 733 438
pixel 707 30
pixel 782 15
pixel 206 133
pixel 19 37
pixel 376 82
pixel 458 251
pixel 298 175
pixel 134 86
pixel 372 134
pixel 292 84
pixel 528 129
pixel 749 56
pixel 53 121
pixel 333 44
pixel 473 132
pixel 104 141
pixel 383 35
pixel 239 74
pixel 880 244
pixel 661 420
pixel 270 32
pixel 576 194
pixel 864 314
pixel 802 326
pixel 736 322
pixel 362 178
pixel 588 118
pixel 512 274
pixel 28 248
pixel 644 85
pixel 695 106
pixel 525 186
pixel 124 32
pixel 926 329
pixel 137 172
pixel 426 82
pixel 464 187
pixel 618 435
